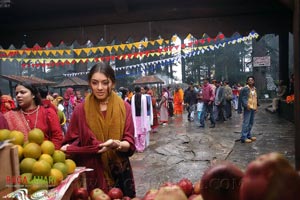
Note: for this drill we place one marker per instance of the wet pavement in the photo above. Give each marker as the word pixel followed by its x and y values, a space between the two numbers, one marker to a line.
pixel 183 150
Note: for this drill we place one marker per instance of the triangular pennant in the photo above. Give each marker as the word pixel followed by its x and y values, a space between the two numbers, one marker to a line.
pixel 152 42
pixel 101 49
pixel 137 44
pixel 145 44
pixel 61 52
pixel 69 60
pixel 129 46
pixel 109 48
pixel 122 47
pixel 77 51
pixel 188 37
pixel 160 41
pixel 174 38
pixel 86 50
pixel 94 49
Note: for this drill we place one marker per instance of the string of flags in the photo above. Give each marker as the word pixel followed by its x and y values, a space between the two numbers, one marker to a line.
pixel 145 67
pixel 47 57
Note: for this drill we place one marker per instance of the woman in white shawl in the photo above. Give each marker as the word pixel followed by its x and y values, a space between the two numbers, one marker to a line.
pixel 140 119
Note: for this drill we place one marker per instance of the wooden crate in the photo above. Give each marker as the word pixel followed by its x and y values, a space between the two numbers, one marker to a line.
pixel 9 167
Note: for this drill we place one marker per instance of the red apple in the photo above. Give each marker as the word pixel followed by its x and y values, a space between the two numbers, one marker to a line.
pixel 221 182
pixel 115 193
pixel 270 176
pixel 173 192
pixel 197 187
pixel 195 197
pixel 95 192
pixel 150 195
pixel 80 194
pixel 102 196
pixel 187 186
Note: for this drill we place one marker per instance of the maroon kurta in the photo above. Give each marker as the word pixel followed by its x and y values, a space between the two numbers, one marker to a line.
pixel 84 145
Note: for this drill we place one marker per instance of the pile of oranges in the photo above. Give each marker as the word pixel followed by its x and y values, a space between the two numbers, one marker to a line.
pixel 41 166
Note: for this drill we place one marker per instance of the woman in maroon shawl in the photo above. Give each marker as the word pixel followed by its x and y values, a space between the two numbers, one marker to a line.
pixel 101 134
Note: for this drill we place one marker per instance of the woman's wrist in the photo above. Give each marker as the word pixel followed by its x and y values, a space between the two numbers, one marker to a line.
pixel 121 145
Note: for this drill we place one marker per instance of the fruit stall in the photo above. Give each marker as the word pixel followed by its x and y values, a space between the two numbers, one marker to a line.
pixel 35 170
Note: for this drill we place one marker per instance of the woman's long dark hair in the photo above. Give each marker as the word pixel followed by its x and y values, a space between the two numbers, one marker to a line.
pixel 103 68
pixel 137 100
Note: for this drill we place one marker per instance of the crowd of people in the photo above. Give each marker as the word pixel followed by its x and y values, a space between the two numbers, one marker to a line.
pixel 104 127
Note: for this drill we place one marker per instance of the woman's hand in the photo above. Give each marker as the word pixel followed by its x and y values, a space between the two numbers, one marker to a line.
pixel 64 148
pixel 109 144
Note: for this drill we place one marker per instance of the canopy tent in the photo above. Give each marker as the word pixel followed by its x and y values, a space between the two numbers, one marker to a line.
pixel 21 79
pixel 150 80
pixel 73 82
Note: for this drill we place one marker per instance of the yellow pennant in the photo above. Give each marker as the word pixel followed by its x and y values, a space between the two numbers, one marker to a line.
pixel 61 52
pixel 77 51
pixel 145 44
pixel 101 49
pixel 137 44
pixel 129 46
pixel 94 49
pixel 152 42
pixel 86 50
pixel 122 47
pixel 160 41
pixel 109 48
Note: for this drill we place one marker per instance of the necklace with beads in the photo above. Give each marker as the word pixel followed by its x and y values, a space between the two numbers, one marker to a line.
pixel 30 113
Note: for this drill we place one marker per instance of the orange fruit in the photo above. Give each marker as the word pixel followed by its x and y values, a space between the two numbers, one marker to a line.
pixel 4 134
pixel 59 156
pixel 48 147
pixel 26 165
pixel 61 167
pixel 26 178
pixel 47 158
pixel 71 165
pixel 37 184
pixel 25 143
pixel 20 151
pixel 17 137
pixel 41 168
pixel 36 135
pixel 32 150
pixel 55 177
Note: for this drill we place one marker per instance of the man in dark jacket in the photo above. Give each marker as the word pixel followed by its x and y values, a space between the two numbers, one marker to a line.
pixel 190 99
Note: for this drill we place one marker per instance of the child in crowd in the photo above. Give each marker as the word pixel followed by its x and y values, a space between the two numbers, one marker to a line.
pixel 200 105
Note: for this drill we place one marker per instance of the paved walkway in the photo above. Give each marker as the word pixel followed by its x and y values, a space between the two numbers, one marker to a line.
pixel 182 149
